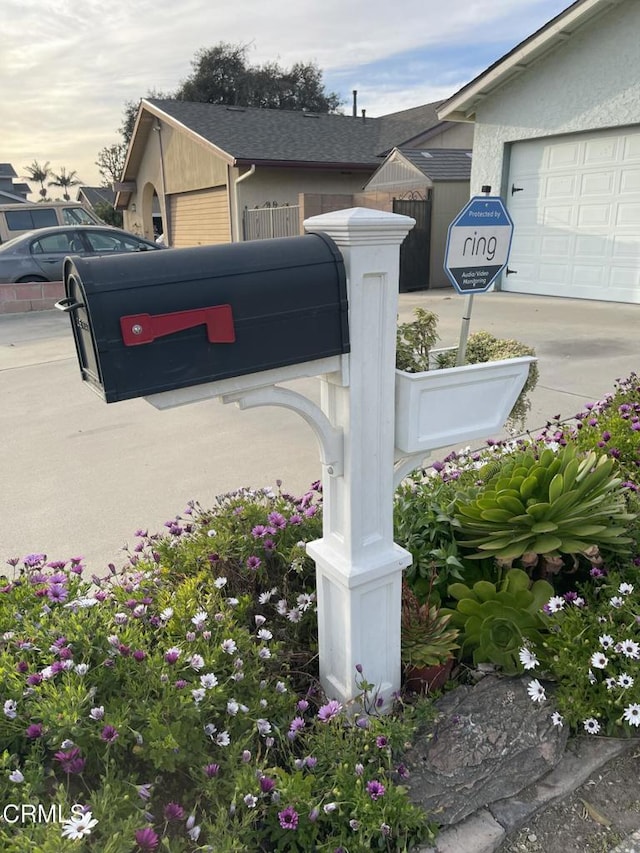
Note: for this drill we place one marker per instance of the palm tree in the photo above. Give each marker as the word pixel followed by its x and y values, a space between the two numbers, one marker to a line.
pixel 38 173
pixel 64 181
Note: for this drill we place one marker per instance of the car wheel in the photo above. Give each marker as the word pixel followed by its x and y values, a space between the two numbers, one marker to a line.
pixel 31 278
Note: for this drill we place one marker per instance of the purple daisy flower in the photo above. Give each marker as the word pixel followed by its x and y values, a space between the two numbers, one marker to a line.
pixel 57 592
pixel 146 839
pixel 329 711
pixel 34 731
pixel 109 734
pixel 375 789
pixel 71 761
pixel 173 811
pixel 288 818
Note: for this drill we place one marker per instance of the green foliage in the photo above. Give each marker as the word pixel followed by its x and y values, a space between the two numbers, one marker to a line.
pixel 39 173
pixel 496 620
pixel 221 75
pixel 553 503
pixel 415 340
pixel 425 525
pixel 427 639
pixel 108 214
pixel 110 162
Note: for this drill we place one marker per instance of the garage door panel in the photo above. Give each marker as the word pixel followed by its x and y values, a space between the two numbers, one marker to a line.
pixel 598 183
pixel 577 217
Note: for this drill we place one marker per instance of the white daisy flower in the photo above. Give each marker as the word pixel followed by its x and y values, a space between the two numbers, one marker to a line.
pixel 196 662
pixel 16 777
pixel 250 801
pixel 616 601
pixel 591 726
pixel 610 683
pixel 264 653
pixel 166 614
pixel 599 660
pixel 97 713
pixel 557 719
pixel 198 695
pixel 606 641
pixel 208 680
pixel 527 658
pixel 220 582
pixel 229 646
pixel 82 668
pixel 625 588
pixel 232 707
pixel 625 680
pixel 555 604
pixel 223 739
pixel 264 634
pixel 536 691
pixel 78 827
pixel 632 714
pixel 259 620
pixel 281 607
pixel 630 649
pixel 200 619
pixel 264 597
pixel 10 709
pixel 211 532
pixel 263 726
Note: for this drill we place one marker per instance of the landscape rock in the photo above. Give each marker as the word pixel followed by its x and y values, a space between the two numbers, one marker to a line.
pixel 489 742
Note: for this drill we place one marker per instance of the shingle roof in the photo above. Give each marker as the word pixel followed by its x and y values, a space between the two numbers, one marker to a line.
pixel 249 134
pixel 98 195
pixel 440 164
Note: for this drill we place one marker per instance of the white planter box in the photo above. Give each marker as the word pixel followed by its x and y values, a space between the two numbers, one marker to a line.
pixel 456 404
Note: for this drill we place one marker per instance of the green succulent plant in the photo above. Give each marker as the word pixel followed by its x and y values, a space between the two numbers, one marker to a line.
pixel 496 620
pixel 427 638
pixel 561 502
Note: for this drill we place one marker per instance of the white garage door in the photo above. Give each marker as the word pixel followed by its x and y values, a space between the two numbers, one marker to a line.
pixel 575 203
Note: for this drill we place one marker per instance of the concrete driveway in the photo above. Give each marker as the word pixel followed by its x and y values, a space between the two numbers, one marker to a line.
pixel 79 477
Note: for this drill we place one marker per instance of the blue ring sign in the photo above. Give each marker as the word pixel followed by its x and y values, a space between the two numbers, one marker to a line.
pixel 478 244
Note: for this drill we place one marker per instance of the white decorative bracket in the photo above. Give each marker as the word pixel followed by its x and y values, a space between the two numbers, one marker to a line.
pixel 404 464
pixel 330 438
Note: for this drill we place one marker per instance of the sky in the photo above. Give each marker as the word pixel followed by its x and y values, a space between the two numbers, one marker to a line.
pixel 67 68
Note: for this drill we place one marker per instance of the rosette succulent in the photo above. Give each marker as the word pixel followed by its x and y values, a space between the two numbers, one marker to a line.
pixel 560 502
pixel 495 621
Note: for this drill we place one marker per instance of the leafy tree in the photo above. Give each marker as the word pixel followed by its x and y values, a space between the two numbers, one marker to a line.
pixel 110 162
pixel 108 214
pixel 64 181
pixel 131 113
pixel 39 174
pixel 221 75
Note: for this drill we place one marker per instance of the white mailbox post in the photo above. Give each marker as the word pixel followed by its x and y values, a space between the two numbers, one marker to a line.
pixel 359 567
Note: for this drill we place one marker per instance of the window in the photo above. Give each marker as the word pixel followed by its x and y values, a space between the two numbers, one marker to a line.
pixel 67 243
pixel 26 220
pixel 77 216
pixel 102 241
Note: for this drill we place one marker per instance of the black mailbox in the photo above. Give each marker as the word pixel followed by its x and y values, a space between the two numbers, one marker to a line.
pixel 159 320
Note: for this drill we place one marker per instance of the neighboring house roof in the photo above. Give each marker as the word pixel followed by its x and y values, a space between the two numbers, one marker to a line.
pixel 11 198
pixel 462 105
pixel 7 171
pixel 440 164
pixel 96 195
pixel 247 135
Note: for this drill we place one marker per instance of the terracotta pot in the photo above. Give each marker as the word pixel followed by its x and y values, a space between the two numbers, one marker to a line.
pixel 425 679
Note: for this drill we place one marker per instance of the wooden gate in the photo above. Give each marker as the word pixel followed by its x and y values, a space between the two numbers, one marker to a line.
pixel 416 249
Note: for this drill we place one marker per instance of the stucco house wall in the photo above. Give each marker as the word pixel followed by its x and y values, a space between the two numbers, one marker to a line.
pixel 591 82
pixel 284 185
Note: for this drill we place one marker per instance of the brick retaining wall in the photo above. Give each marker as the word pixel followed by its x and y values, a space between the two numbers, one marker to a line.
pixel 31 296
